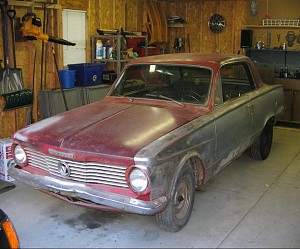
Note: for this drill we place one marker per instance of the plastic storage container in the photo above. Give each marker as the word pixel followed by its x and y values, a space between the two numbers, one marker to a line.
pixel 67 78
pixel 87 74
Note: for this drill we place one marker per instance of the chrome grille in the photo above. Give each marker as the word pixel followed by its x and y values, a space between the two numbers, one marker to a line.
pixel 87 172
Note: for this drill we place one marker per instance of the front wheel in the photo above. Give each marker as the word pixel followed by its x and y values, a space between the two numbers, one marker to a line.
pixel 178 211
pixel 261 148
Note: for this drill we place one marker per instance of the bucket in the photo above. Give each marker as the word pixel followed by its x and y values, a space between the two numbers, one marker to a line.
pixel 67 78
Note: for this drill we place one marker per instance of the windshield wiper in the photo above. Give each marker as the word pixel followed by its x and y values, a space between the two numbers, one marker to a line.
pixel 165 97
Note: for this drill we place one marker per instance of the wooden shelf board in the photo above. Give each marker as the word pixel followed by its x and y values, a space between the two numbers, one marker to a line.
pixel 272 27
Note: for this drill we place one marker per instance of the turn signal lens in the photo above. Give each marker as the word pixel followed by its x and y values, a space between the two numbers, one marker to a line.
pixel 11 234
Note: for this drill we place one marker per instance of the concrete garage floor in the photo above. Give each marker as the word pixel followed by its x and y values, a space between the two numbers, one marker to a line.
pixel 249 204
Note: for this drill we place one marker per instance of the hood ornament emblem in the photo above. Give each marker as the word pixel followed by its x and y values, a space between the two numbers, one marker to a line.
pixel 64 169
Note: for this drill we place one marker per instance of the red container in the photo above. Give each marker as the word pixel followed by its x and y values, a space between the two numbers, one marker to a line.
pixel 151 51
pixel 134 42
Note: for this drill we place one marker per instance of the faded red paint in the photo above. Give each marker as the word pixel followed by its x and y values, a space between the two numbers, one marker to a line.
pixel 109 127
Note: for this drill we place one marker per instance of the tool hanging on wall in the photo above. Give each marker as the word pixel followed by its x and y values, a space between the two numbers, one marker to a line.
pixel 290 38
pixel 178 44
pixel 29 114
pixel 60 83
pixel 11 83
pixel 31 29
pixel 12 14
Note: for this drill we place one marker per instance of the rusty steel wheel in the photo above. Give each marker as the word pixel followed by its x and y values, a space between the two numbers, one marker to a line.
pixel 179 209
pixel 261 148
pixel 182 198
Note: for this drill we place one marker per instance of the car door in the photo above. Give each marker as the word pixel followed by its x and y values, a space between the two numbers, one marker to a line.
pixel 234 113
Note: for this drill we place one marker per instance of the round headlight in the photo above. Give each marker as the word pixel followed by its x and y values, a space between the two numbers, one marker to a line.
pixel 138 180
pixel 20 154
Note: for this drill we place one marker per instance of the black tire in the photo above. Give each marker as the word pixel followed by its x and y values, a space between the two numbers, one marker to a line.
pixel 179 209
pixel 261 148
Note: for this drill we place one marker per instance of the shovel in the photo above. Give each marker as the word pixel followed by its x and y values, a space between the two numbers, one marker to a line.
pixel 11 83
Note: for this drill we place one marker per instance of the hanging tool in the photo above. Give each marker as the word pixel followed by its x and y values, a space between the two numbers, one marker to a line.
pixel 4 33
pixel 43 80
pixel 29 115
pixel 12 88
pixel 31 29
pixel 60 83
pixel 12 14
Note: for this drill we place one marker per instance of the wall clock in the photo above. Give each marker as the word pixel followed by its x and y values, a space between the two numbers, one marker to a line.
pixel 216 23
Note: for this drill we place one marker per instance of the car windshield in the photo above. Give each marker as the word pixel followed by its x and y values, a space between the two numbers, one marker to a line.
pixel 179 84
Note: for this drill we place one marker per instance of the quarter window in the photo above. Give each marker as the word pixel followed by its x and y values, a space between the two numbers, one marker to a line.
pixel 236 80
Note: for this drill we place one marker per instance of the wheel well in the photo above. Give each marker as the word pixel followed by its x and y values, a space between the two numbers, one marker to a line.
pixel 271 119
pixel 198 170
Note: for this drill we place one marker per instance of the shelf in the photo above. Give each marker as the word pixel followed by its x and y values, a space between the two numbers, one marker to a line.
pixel 116 41
pixel 274 50
pixel 272 27
pixel 178 25
pixel 290 84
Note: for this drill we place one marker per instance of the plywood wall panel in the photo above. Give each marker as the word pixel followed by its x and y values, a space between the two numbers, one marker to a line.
pixel 195 28
pixel 242 14
pixel 209 39
pixel 171 10
pixel 131 15
pixel 119 14
pixel 225 39
pixel 105 14
pixel 75 4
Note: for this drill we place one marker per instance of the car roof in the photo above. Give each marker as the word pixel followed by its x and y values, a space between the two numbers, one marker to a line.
pixel 191 58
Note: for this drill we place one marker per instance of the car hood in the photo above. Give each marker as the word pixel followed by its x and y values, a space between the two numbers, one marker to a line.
pixel 108 127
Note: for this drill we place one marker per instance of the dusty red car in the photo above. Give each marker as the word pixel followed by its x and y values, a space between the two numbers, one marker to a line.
pixel 168 125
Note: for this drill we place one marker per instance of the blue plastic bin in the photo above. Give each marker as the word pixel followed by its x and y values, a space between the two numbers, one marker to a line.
pixel 87 74
pixel 67 78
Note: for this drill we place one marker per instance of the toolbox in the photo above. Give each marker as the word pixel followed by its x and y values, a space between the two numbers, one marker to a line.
pixel 6 159
pixel 87 74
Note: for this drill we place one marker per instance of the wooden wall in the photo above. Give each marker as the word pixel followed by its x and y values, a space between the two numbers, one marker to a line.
pixel 276 9
pixel 198 34
pixel 110 14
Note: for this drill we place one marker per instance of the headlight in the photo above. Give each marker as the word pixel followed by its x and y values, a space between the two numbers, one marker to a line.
pixel 20 155
pixel 138 180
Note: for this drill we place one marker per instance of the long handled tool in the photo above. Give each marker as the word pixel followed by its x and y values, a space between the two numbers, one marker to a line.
pixel 29 115
pixel 11 83
pixel 60 83
pixel 12 14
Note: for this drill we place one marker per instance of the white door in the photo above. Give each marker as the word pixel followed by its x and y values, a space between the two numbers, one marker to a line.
pixel 74 31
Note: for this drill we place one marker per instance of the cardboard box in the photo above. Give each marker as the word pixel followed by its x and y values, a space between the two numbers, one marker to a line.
pixel 6 159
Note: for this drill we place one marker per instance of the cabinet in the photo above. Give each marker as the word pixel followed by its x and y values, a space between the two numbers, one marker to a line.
pixel 291 99
pixel 117 42
pixel 274 58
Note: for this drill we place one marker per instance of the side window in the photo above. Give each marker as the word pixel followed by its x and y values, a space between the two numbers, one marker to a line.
pixel 236 80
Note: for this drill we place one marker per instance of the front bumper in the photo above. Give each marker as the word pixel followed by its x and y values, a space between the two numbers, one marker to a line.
pixel 82 191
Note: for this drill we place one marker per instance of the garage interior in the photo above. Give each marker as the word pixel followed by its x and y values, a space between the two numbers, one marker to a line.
pixel 248 204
